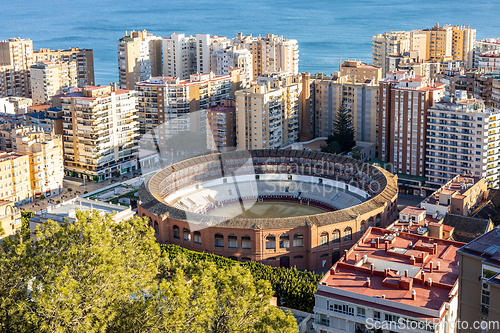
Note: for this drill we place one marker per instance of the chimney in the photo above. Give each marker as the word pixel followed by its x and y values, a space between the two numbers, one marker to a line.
pixel 345 255
pixel 430 266
pixel 435 248
pixel 368 282
pixel 410 245
pixel 406 273
pixel 429 282
pixel 412 260
pixel 413 294
pixel 356 257
pixel 423 278
pixel 377 242
pixel 372 269
pixel 423 256
pixel 332 271
pixel 365 258
pixel 386 272
pixel 438 265
pixel 383 296
pixel 386 246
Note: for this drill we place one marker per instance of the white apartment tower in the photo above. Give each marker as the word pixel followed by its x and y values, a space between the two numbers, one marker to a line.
pixel 183 56
pixel 224 60
pixel 463 137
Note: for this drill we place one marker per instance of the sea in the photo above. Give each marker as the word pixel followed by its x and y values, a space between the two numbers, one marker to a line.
pixel 328 31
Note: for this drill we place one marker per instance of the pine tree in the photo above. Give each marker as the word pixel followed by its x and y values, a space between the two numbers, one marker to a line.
pixel 342 138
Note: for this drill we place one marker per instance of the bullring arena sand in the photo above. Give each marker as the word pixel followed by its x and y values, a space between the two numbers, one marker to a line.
pixel 266 209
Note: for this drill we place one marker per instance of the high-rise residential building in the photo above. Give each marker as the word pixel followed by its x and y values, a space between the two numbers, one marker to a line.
pixel 183 56
pixel 224 60
pixel 404 99
pixel 100 131
pixel 10 219
pixel 15 182
pixel 495 93
pixel 267 115
pixel 489 62
pixel 463 137
pixel 358 71
pixel 45 150
pixel 391 282
pixel 50 78
pixel 387 43
pixel 479 283
pixel 15 105
pixel 18 54
pixel 221 126
pixel 175 105
pixel 359 97
pixel 139 58
pixel 271 53
pixel 485 46
pixel 84 59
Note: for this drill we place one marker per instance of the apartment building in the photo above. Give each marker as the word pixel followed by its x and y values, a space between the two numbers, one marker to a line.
pixel 267 115
pixel 479 287
pixel 460 196
pixel 100 131
pixel 169 105
pixel 84 59
pixel 495 93
pixel 485 46
pixel 224 60
pixel 50 78
pixel 404 99
pixel 45 150
pixel 183 56
pixel 221 127
pixel 15 105
pixel 360 97
pixel 463 137
pixel 360 72
pixel 10 219
pixel 15 181
pixel 388 43
pixel 139 58
pixel 390 282
pixel 489 62
pixel 17 55
pixel 271 53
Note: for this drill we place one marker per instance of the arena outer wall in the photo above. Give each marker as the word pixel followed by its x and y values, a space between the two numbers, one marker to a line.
pixel 324 236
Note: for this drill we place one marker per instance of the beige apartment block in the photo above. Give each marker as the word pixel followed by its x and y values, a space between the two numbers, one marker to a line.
pixel 221 127
pixel 271 53
pixel 139 58
pixel 358 71
pixel 15 181
pixel 84 59
pixel 488 45
pixel 50 78
pixel 170 105
pixel 267 115
pixel 394 42
pixel 360 97
pixel 45 150
pixel 10 219
pixel 100 131
pixel 18 54
pixel 15 105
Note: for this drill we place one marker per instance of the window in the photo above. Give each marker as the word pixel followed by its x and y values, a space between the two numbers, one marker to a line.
pixel 186 234
pixel 391 318
pixel 323 239
pixel 342 308
pixel 336 236
pixel 177 232
pixel 284 241
pixel 347 234
pixel 376 315
pixel 361 312
pixel 246 242
pixel 270 242
pixel 362 227
pixel 298 240
pixel 219 240
pixel 298 257
pixel 488 274
pixel 197 237
pixel 232 241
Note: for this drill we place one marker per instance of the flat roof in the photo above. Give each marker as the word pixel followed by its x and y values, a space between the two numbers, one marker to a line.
pixel 351 275
pixel 486 247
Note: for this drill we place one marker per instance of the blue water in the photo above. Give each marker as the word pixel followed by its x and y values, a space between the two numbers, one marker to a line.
pixel 326 30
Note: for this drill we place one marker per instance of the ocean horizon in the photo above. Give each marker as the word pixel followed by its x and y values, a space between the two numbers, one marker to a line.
pixel 327 31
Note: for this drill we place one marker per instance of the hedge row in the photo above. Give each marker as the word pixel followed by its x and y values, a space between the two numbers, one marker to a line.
pixel 293 288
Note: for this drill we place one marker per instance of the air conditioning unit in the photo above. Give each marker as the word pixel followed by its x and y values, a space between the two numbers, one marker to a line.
pixel 486 287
